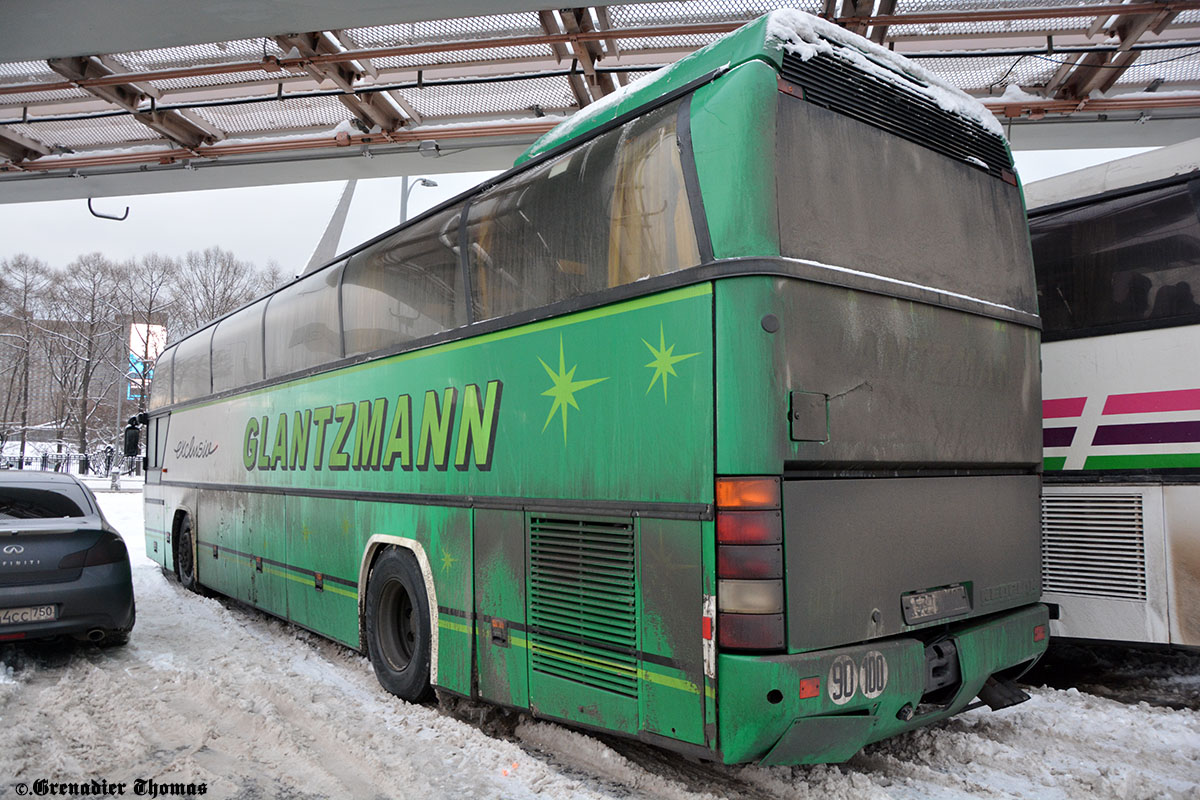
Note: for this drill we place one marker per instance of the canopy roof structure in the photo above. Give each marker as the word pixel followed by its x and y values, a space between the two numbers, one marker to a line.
pixel 397 86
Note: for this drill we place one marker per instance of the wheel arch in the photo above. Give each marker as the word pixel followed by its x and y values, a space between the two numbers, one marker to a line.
pixel 376 545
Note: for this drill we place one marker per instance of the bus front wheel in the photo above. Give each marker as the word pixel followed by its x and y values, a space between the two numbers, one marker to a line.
pixel 185 555
pixel 398 636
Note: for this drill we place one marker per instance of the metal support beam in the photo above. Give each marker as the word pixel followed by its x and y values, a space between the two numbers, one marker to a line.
pixel 169 124
pixel 16 147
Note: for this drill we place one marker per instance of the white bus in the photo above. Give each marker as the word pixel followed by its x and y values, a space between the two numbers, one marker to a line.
pixel 1117 254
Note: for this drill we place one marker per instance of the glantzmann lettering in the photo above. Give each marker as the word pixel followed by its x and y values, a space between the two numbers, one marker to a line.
pixel 453 426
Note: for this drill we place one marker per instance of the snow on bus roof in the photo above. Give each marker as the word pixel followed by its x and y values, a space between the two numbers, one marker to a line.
pixel 804 35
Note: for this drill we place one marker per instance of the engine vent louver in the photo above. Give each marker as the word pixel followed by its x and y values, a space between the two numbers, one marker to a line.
pixel 1094 545
pixel 837 85
pixel 582 602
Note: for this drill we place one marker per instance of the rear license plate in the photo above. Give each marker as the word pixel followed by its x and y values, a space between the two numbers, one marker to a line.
pixel 21 616
pixel 949 601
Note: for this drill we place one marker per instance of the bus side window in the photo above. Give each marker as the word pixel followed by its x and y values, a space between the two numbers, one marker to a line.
pixel 405 287
pixel 608 213
pixel 1128 260
pixel 302 325
pixel 237 349
pixel 193 369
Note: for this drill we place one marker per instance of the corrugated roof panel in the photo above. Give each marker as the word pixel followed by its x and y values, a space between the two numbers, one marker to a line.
pixel 277 116
pixel 198 54
pixel 550 94
pixel 90 133
pixel 43 97
pixel 233 78
pixel 447 30
pixel 27 72
pixel 640 15
pixel 690 41
pixel 1172 66
pixel 989 75
pixel 464 56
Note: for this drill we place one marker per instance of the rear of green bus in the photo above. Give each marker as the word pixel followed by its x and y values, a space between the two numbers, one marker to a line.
pixel 874 564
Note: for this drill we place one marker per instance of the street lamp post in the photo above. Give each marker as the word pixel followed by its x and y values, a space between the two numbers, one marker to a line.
pixel 408 187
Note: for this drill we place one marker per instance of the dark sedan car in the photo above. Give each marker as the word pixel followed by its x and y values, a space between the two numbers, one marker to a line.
pixel 64 571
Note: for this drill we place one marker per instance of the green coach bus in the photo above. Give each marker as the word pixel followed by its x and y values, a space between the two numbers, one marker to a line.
pixel 714 422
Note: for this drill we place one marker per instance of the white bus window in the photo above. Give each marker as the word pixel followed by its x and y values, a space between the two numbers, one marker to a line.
pixel 609 213
pixel 160 385
pixel 193 373
pixel 237 349
pixel 405 287
pixel 302 326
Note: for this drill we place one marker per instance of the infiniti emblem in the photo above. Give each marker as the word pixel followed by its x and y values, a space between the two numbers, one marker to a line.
pixel 13 549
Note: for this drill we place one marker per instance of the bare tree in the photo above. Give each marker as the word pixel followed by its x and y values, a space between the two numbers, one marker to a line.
pixel 144 295
pixel 23 283
pixel 210 284
pixel 87 324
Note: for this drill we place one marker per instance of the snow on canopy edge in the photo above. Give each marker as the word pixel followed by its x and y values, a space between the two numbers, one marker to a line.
pixel 804 35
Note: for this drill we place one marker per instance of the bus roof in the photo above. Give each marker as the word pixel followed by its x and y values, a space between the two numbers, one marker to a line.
pixel 767 39
pixel 1112 176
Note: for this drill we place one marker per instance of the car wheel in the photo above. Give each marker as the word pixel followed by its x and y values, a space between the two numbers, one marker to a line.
pixel 398 636
pixel 185 555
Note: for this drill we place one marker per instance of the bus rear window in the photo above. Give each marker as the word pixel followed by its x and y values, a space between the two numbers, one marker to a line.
pixel 856 197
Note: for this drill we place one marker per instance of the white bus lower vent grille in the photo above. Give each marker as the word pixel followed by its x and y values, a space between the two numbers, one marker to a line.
pixel 582 602
pixel 1094 545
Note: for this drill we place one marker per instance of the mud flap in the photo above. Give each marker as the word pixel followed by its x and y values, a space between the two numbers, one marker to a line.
pixel 821 740
pixel 997 694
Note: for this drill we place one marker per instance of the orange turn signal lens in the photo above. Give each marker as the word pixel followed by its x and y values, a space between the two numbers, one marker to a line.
pixel 1039 633
pixel 809 688
pixel 747 493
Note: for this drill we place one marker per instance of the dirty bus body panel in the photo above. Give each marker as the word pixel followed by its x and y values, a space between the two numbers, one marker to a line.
pixel 892 381
pixel 656 435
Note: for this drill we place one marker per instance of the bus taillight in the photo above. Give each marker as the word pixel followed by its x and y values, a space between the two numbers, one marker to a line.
pixel 749 564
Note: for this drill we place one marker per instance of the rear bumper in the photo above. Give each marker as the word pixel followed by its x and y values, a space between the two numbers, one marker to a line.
pixel 101 598
pixel 842 718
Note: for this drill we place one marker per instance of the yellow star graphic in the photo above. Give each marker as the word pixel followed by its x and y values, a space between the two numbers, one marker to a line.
pixel 664 361
pixel 447 560
pixel 564 388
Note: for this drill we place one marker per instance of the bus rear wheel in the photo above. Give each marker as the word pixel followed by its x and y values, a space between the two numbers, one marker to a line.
pixel 398 635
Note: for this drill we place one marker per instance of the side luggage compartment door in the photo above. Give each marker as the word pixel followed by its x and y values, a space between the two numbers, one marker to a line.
pixel 499 563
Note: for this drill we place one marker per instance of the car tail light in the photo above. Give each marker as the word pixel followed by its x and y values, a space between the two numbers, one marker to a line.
pixel 749 565
pixel 110 549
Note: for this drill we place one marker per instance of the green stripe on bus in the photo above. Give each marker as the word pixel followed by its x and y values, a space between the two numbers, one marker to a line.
pixel 1154 461
pixel 1054 463
pixel 307 580
pixel 649 301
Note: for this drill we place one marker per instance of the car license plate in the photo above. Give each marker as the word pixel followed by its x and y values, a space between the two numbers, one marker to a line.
pixel 20 616
pixel 949 601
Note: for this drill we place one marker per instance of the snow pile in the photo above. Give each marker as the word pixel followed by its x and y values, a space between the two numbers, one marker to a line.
pixel 806 36
pixel 212 692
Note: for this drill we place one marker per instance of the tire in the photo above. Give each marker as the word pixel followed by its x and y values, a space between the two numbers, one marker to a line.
pixel 398 637
pixel 185 555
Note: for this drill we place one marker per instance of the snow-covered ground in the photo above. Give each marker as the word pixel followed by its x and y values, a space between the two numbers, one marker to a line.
pixel 212 692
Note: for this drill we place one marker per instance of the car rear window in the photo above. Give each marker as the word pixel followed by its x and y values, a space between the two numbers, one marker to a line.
pixel 25 502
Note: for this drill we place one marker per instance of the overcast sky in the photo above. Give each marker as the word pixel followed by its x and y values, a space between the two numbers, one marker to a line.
pixel 284 223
